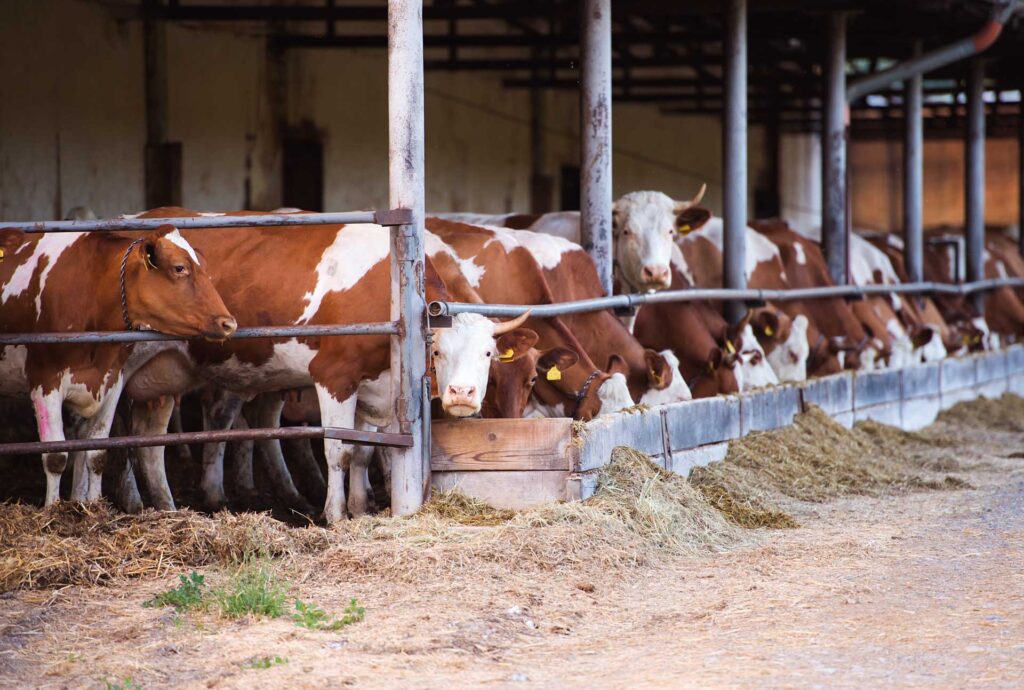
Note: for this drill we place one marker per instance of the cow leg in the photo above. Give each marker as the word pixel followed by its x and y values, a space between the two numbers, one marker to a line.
pixel 307 474
pixel 241 461
pixel 126 488
pixel 183 452
pixel 98 426
pixel 268 416
pixel 49 420
pixel 219 413
pixel 337 414
pixel 149 421
pixel 359 476
pixel 79 477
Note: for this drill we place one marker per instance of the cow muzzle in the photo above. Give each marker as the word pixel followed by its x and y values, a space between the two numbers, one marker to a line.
pixel 460 401
pixel 221 328
pixel 655 276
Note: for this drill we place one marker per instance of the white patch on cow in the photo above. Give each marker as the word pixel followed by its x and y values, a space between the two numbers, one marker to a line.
pixel 536 409
pixel 130 216
pixel 288 367
pixel 498 219
pixel 760 249
pixel 614 395
pixel 650 219
pixel 463 361
pixel 1001 269
pixel 990 340
pixel 680 264
pixel 50 245
pixel 798 249
pixel 869 359
pixel 902 354
pixel 502 236
pixel 677 391
pixel 286 210
pixel 789 360
pixel 547 250
pixel 756 371
pixel 210 214
pixel 894 241
pixel 841 358
pixel 175 238
pixel 12 370
pixel 472 272
pixel 375 404
pixel 564 224
pixel 866 260
pixel 356 249
pixel 933 350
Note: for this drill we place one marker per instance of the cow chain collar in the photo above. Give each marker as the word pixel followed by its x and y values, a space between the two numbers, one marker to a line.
pixel 124 294
pixel 585 390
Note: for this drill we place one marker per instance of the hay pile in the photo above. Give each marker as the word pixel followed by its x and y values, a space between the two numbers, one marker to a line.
pixel 1004 414
pixel 639 514
pixel 74 543
pixel 813 460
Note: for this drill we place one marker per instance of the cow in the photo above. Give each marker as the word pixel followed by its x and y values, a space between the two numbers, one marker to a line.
pixel 643 226
pixel 945 263
pixel 327 274
pixel 96 281
pixel 504 272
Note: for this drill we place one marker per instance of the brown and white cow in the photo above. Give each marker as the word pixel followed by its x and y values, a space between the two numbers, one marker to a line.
pixel 96 282
pixel 327 274
pixel 643 228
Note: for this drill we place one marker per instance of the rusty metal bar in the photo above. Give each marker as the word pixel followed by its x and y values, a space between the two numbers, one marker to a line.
pixel 395 216
pixel 369 438
pixel 542 311
pixel 310 331
pixel 596 136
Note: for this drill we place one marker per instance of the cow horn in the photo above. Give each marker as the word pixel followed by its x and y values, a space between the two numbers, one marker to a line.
pixel 700 194
pixel 511 324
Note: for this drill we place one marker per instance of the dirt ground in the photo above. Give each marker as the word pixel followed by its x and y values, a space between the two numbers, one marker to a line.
pixel 916 590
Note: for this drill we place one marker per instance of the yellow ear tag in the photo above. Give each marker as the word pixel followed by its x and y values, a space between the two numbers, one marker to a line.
pixel 553 374
pixel 507 355
pixel 149 262
pixel 1 254
pixel 729 347
pixel 683 229
pixel 768 331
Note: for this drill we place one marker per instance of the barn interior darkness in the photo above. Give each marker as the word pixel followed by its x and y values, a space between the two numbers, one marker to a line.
pixel 508 68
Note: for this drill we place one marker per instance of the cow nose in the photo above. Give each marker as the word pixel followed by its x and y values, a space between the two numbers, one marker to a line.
pixel 461 392
pixel 227 326
pixel 655 273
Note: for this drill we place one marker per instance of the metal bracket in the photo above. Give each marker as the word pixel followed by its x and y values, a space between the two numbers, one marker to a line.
pixel 439 321
pixel 369 438
pixel 755 303
pixel 393 216
pixel 625 311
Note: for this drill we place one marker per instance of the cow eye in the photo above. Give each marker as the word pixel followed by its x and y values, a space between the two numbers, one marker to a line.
pixel 533 380
pixel 487 354
pixel 437 353
pixel 179 268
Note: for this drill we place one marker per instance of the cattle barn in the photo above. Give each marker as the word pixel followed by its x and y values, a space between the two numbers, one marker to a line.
pixel 848 173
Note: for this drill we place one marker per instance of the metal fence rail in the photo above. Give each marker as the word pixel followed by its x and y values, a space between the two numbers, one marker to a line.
pixel 311 331
pixel 397 216
pixel 441 308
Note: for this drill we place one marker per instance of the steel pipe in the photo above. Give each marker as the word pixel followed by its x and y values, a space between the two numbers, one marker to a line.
pixel 358 436
pixel 913 176
pixel 306 331
pixel 974 176
pixel 734 156
pixel 964 48
pixel 596 136
pixel 410 467
pixel 395 216
pixel 833 145
pixel 543 311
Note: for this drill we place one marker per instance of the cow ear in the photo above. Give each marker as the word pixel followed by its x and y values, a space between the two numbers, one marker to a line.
pixel 690 219
pixel 617 365
pixel 921 336
pixel 658 370
pixel 557 357
pixel 515 344
pixel 765 323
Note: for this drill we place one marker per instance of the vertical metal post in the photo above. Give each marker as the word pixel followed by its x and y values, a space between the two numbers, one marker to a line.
pixel 833 145
pixel 596 135
pixel 913 176
pixel 974 169
pixel 1020 178
pixel 410 469
pixel 734 155
pixel 154 46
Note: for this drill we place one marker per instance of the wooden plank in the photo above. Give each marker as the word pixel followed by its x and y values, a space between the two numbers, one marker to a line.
pixel 501 444
pixel 515 490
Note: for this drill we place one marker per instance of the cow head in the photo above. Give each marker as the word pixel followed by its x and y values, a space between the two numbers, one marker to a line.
pixel 718 376
pixel 644 226
pixel 514 372
pixel 784 341
pixel 666 383
pixel 462 355
pixel 167 289
pixel 928 345
pixel 752 370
